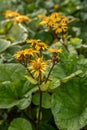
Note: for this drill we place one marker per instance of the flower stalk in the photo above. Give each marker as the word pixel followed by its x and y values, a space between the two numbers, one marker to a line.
pixel 49 72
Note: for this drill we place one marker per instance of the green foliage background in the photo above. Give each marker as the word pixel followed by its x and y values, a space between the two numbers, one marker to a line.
pixel 64 104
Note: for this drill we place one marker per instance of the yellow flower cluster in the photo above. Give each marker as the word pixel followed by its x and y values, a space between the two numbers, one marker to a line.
pixel 37 44
pixel 10 14
pixel 16 17
pixel 32 57
pixel 56 22
pixel 24 54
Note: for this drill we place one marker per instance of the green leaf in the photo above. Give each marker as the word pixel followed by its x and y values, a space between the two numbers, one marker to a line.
pixel 20 124
pixel 5 27
pixel 69 104
pixel 72 49
pixel 37 12
pixel 57 72
pixel 69 64
pixel 46 99
pixel 13 86
pixel 30 7
pixel 5 5
pixel 54 84
pixel 4 45
pixel 76 42
pixel 45 86
pixel 46 115
pixel 50 85
pixel 13 32
pixel 78 72
pixel 17 33
pixel 30 79
pixel 25 102
pixel 44 36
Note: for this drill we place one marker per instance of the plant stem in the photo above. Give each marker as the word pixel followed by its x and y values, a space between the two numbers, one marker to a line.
pixel 30 73
pixel 39 109
pixel 50 72
pixel 64 44
pixel 28 70
pixel 40 103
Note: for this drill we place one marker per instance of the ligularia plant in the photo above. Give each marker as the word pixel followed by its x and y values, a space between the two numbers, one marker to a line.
pixel 34 61
pixel 45 83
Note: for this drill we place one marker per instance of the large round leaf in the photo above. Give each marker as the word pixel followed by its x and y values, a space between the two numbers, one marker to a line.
pixel 20 124
pixel 14 32
pixel 13 86
pixel 4 44
pixel 17 33
pixel 69 104
pixel 46 99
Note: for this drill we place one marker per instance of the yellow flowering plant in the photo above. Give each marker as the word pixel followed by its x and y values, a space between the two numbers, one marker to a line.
pixel 33 80
pixel 34 61
pixel 38 58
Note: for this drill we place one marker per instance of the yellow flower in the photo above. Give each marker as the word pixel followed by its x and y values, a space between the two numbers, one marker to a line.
pixel 40 46
pixel 33 42
pixel 59 28
pixel 16 17
pixel 41 16
pixel 21 18
pixel 55 50
pixel 56 6
pixel 64 27
pixel 56 22
pixel 55 15
pixel 51 20
pixel 44 21
pixel 29 52
pixel 10 14
pixel 19 55
pixel 37 44
pixel 55 40
pixel 23 54
pixel 64 19
pixel 38 67
pixel 64 36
